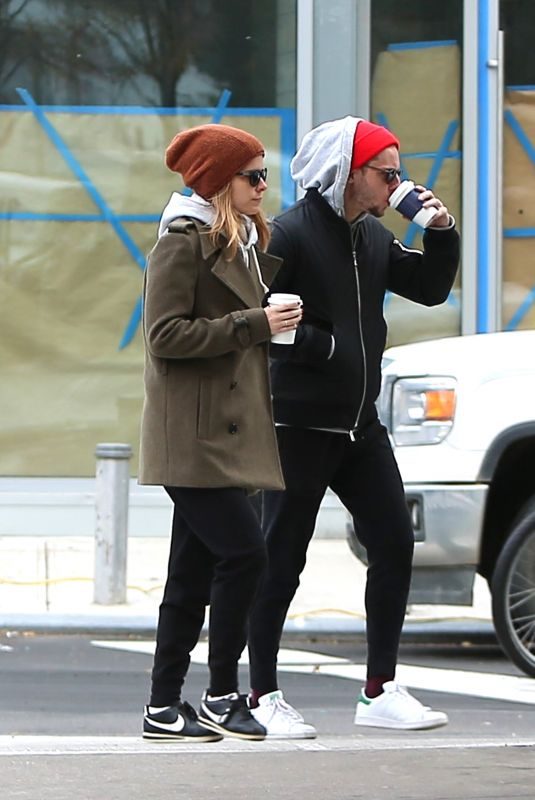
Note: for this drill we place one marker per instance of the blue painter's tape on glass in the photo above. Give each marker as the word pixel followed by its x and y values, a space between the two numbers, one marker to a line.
pixel 43 115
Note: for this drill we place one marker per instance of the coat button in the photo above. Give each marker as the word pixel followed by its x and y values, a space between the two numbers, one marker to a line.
pixel 233 428
pixel 233 385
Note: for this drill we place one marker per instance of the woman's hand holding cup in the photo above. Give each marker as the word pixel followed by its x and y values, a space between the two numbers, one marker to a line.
pixel 284 313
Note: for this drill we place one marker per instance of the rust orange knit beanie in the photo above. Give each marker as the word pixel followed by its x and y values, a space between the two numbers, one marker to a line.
pixel 209 156
pixel 369 140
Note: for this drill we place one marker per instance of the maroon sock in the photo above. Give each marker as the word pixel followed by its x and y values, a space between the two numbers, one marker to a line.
pixel 374 685
pixel 254 695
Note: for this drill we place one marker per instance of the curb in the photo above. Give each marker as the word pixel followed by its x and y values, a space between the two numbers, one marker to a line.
pixel 430 632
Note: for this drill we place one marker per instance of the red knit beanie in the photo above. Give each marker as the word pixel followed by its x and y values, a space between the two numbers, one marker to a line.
pixel 209 156
pixel 369 140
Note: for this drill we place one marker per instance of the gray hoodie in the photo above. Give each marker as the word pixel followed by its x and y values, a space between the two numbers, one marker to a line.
pixel 323 160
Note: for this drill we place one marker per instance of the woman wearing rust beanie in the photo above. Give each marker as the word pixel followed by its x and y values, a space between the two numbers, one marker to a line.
pixel 207 431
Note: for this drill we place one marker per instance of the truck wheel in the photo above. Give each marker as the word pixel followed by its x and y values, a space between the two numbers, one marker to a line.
pixel 513 592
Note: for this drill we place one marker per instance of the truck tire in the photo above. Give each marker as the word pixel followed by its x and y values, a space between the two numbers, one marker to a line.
pixel 513 592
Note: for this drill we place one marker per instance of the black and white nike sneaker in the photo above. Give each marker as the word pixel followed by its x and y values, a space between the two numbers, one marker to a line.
pixel 231 716
pixel 176 722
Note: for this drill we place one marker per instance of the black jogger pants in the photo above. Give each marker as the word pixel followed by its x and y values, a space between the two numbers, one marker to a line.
pixel 217 557
pixel 365 476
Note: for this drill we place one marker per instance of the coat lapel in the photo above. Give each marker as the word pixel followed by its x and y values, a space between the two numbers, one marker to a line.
pixel 236 275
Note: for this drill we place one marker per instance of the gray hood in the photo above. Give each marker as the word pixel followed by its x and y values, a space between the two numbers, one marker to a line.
pixel 180 205
pixel 323 160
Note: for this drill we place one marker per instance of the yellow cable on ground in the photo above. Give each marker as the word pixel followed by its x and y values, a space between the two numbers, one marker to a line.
pixel 319 611
pixel 46 582
pixel 51 581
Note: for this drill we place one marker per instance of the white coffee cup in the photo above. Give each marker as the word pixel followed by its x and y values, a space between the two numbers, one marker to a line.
pixel 282 299
pixel 405 200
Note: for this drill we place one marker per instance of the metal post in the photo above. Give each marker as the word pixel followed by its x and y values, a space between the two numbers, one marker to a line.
pixel 111 533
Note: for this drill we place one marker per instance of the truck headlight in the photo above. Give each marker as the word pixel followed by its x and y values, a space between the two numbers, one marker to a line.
pixel 423 409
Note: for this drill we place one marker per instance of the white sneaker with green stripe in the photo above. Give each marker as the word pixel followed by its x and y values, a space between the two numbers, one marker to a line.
pixel 397 709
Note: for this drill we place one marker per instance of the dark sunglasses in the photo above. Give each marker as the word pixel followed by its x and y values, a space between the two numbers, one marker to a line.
pixel 390 174
pixel 254 175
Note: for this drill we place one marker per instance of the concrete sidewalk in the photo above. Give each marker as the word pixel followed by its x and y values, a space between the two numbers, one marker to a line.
pixel 46 584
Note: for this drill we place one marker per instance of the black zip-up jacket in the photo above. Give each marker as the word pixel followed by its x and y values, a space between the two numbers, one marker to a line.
pixel 342 279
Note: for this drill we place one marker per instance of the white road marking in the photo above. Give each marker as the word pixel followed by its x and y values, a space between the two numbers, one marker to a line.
pixel 199 655
pixel 134 745
pixel 492 686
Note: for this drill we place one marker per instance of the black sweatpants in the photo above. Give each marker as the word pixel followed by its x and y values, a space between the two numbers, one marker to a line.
pixel 365 476
pixel 217 557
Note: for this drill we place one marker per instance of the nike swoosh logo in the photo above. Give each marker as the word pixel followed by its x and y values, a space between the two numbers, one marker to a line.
pixel 175 726
pixel 212 716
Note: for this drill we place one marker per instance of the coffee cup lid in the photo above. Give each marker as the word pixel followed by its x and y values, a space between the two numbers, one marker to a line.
pixel 284 297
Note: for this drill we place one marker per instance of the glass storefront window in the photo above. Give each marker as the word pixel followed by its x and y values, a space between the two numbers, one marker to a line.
pixel 91 92
pixel 148 52
pixel 416 89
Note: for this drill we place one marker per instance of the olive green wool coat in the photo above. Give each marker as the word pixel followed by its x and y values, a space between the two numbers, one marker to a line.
pixel 207 417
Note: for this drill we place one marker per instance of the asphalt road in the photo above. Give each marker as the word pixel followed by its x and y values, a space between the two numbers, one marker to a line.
pixel 70 719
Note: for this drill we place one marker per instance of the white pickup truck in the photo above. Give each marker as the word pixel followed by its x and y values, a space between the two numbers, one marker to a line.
pixel 461 416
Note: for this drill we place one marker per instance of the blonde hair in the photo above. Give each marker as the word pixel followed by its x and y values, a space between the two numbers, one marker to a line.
pixel 229 223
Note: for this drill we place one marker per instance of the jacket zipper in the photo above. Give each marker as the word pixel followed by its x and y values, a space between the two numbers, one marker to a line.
pixel 365 371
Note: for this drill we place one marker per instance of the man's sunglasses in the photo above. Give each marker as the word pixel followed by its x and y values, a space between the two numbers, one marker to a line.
pixel 254 175
pixel 390 174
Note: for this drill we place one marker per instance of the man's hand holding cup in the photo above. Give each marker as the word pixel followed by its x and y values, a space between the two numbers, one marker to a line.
pixel 419 205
